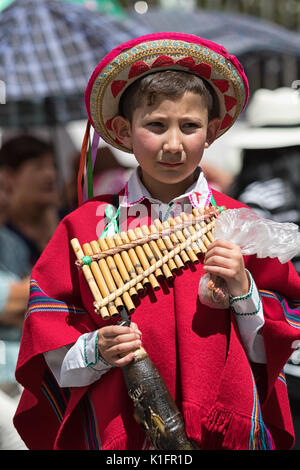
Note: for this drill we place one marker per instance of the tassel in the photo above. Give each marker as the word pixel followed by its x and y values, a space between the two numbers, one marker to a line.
pixel 92 155
pixel 82 163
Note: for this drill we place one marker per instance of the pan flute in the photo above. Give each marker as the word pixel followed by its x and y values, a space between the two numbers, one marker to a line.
pixel 120 267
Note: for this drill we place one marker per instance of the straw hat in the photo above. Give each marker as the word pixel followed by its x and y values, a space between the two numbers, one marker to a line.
pixel 157 52
pixel 273 120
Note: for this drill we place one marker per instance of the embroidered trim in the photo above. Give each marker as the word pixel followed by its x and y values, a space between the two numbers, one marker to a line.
pixel 86 362
pixel 90 424
pixel 290 308
pixel 125 202
pixel 248 314
pixel 246 296
pixel 40 302
pixel 260 437
pixel 232 300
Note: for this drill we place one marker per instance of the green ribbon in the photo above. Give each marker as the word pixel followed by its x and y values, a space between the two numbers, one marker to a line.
pixel 109 213
pixel 213 203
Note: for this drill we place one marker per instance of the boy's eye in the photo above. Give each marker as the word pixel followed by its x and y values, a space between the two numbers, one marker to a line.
pixel 190 126
pixel 156 126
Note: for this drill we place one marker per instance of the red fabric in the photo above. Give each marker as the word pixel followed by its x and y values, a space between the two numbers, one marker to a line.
pixel 196 349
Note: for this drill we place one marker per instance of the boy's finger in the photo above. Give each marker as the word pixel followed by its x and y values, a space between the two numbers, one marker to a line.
pixel 218 251
pixel 134 327
pixel 220 242
pixel 127 338
pixel 115 330
pixel 123 361
pixel 124 348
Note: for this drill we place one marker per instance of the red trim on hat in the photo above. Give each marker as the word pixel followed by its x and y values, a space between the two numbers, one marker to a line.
pixel 230 102
pixel 202 69
pixel 162 61
pixel 138 68
pixel 108 124
pixel 222 85
pixel 226 121
pixel 187 62
pixel 117 86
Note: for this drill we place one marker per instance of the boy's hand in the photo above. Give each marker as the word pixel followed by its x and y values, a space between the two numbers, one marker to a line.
pixel 117 343
pixel 224 258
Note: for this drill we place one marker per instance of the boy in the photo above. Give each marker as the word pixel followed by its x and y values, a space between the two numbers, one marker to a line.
pixel 222 367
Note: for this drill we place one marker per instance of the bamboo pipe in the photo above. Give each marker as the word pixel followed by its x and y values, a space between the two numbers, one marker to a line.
pixel 144 261
pixel 111 243
pixel 200 225
pixel 168 242
pixel 198 246
pixel 178 238
pixel 135 266
pixel 100 281
pixel 185 234
pixel 127 263
pixel 88 249
pixel 118 272
pixel 157 253
pixel 88 274
pixel 161 243
pixel 150 255
pixel 109 281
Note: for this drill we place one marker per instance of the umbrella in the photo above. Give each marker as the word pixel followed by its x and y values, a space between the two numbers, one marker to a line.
pixel 269 53
pixel 108 7
pixel 239 33
pixel 48 50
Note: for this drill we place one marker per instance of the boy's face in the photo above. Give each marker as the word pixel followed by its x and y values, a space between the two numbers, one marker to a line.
pixel 168 140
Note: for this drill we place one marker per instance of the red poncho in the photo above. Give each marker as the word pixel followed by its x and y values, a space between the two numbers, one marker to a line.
pixel 227 402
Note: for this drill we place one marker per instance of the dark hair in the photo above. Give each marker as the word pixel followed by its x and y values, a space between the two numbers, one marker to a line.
pixel 169 83
pixel 18 150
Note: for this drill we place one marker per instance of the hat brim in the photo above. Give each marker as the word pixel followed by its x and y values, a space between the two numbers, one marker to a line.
pixel 164 51
pixel 266 138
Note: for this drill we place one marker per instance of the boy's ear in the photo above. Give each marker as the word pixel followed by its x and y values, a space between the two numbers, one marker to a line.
pixel 212 129
pixel 122 130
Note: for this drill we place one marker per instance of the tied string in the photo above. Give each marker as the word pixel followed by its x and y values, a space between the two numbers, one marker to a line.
pixel 154 236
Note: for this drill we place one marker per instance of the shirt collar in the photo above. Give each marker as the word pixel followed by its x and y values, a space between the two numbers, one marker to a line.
pixel 198 194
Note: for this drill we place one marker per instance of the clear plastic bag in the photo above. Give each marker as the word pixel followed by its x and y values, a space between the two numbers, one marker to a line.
pixel 255 235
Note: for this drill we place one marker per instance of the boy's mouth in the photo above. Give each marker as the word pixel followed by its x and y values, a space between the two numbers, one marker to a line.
pixel 171 164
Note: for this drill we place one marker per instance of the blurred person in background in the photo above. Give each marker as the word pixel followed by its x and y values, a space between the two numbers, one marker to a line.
pixel 34 202
pixel 269 182
pixel 29 216
pixel 14 292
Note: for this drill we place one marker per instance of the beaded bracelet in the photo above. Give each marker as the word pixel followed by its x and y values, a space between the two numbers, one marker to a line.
pixel 246 296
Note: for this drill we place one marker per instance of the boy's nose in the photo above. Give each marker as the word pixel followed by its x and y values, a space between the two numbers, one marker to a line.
pixel 173 143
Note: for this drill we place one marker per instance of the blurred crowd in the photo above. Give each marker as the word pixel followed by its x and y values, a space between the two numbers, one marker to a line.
pixel 32 205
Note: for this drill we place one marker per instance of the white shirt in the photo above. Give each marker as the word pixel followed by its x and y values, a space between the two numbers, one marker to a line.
pixel 80 364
